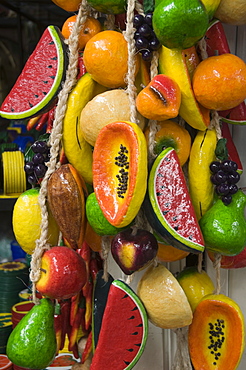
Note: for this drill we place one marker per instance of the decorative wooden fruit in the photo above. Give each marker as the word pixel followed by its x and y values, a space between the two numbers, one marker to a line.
pixel 168 205
pixel 124 329
pixel 216 335
pixel 66 198
pixel 40 80
pixel 120 171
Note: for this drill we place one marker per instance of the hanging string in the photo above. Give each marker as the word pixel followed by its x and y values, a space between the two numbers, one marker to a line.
pixel 217 265
pixel 54 142
pixel 130 77
pixel 202 45
pixel 139 7
pixel 200 260
pixel 182 357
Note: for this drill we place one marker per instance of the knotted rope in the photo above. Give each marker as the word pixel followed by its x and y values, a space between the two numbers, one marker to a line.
pixel 54 142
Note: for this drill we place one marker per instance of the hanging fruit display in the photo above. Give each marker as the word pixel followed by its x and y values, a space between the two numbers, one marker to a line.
pixel 138 163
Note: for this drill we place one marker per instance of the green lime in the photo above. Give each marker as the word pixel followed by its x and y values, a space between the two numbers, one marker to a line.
pixel 109 6
pixel 180 24
pixel 97 219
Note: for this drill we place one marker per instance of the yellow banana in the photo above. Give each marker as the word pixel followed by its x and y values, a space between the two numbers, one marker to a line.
pixel 200 186
pixel 77 150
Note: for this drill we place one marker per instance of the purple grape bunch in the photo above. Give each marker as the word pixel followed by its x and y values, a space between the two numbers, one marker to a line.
pixel 225 177
pixel 145 39
pixel 36 168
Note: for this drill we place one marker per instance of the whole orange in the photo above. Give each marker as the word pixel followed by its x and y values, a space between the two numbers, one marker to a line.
pixel 219 82
pixel 171 134
pixel 69 6
pixel 90 28
pixel 106 59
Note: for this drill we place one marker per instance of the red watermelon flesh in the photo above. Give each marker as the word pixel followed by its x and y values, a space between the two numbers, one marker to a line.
pixel 123 332
pixel 168 204
pixel 233 154
pixel 236 116
pixel 216 40
pixel 40 80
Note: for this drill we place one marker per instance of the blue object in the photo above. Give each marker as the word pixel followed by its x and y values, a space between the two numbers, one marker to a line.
pixel 17 251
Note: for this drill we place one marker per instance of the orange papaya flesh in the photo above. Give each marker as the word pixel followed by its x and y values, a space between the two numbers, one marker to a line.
pixel 120 171
pixel 216 335
pixel 66 198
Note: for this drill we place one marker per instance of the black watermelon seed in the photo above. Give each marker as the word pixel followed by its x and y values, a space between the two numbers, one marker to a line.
pixel 160 175
pixel 164 212
pixel 51 42
pixel 139 326
pixel 125 296
pixel 130 349
pixel 131 318
pixel 44 93
pixel 52 77
pixel 159 194
pixel 30 104
pixel 53 58
pixel 176 228
pixel 137 344
pixel 12 109
pixel 50 66
pixel 135 333
pixel 135 308
pixel 126 362
pixel 36 95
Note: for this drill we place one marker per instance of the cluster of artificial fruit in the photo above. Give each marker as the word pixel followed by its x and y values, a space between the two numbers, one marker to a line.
pixel 104 183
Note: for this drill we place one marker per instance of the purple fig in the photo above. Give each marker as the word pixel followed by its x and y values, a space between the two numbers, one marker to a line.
pixel 132 251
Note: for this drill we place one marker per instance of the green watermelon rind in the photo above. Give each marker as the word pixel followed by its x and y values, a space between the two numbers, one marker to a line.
pixel 44 103
pixel 188 244
pixel 126 288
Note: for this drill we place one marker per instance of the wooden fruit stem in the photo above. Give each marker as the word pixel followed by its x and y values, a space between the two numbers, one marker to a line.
pixel 54 142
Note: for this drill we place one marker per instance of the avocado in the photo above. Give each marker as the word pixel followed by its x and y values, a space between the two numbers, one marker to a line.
pixel 32 343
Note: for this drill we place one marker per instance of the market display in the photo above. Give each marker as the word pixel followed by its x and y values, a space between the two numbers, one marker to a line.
pixel 134 101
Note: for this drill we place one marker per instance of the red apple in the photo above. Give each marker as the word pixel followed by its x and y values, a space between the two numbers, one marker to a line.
pixel 231 262
pixel 132 251
pixel 63 273
pixel 160 99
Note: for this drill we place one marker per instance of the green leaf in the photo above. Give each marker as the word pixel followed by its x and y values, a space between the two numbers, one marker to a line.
pixel 148 6
pixel 221 150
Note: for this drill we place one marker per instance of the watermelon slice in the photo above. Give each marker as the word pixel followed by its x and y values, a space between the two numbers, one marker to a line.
pixel 234 116
pixel 124 330
pixel 100 296
pixel 40 80
pixel 168 204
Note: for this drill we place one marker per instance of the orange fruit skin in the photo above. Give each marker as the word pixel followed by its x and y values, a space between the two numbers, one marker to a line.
pixel 90 28
pixel 173 135
pixel 69 6
pixel 168 253
pixel 219 82
pixel 106 59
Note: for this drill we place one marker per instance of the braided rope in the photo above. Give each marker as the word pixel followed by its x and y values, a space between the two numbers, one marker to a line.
pixel 216 265
pixel 130 77
pixel 54 142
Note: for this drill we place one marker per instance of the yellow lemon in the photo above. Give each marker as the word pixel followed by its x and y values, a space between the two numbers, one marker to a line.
pixel 27 220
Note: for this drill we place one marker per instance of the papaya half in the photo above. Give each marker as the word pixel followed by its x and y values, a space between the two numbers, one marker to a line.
pixel 120 171
pixel 216 334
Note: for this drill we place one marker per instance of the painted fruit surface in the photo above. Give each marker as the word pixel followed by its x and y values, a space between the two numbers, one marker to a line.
pixel 120 171
pixel 121 349
pixel 165 301
pixel 196 285
pixel 40 80
pixel 216 335
pixel 231 262
pixel 168 205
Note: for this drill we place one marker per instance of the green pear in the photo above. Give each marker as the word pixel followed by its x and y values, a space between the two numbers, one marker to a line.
pixel 32 343
pixel 224 226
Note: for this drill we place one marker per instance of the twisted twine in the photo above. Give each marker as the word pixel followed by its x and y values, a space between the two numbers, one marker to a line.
pixel 130 76
pixel 216 265
pixel 54 142
pixel 182 357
